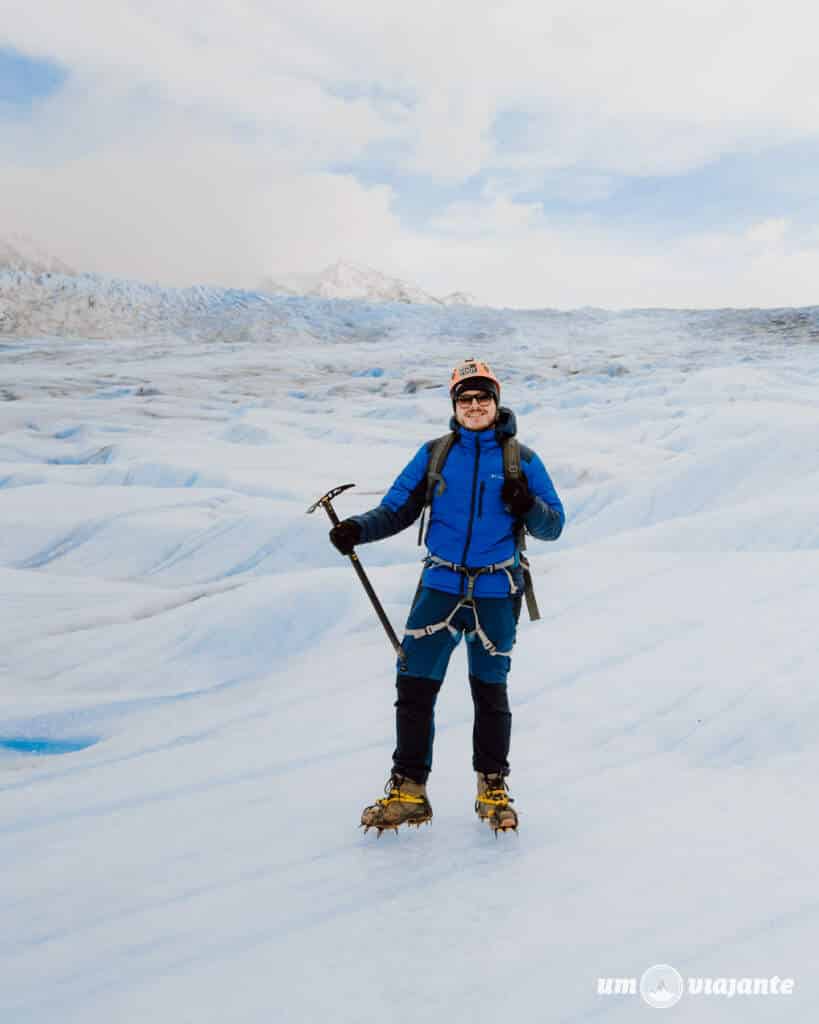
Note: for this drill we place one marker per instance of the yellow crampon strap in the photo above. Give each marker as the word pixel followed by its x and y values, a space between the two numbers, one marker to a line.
pixel 397 796
pixel 500 798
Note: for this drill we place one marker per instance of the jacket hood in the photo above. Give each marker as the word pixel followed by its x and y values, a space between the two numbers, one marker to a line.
pixel 506 425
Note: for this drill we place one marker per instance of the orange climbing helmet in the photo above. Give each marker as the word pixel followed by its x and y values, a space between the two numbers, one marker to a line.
pixel 473 373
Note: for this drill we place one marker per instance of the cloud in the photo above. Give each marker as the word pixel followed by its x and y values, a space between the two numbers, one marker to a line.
pixel 183 209
pixel 491 216
pixel 689 79
pixel 528 260
pixel 199 146
pixel 773 229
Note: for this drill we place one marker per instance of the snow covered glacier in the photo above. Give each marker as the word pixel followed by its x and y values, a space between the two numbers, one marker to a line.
pixel 197 699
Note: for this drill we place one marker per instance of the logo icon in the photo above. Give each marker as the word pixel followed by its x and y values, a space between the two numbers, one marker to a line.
pixel 661 986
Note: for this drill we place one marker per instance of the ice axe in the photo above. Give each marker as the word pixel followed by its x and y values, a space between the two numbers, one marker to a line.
pixel 326 504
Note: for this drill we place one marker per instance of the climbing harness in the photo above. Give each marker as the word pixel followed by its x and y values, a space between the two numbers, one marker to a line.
pixel 467 601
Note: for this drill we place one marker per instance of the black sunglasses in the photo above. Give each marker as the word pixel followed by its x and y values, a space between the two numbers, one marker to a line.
pixel 483 398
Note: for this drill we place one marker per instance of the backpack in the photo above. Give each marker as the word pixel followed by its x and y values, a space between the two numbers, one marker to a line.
pixel 510 446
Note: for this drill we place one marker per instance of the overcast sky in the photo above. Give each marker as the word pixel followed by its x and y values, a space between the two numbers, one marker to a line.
pixel 643 153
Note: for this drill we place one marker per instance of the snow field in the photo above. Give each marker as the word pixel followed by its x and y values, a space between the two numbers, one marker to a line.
pixel 166 600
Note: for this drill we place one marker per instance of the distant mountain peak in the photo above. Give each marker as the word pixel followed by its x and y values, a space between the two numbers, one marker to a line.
pixel 21 252
pixel 459 299
pixel 345 279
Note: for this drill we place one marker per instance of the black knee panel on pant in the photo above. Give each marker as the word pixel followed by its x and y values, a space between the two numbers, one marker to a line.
pixel 416 693
pixel 492 731
pixel 490 698
pixel 414 722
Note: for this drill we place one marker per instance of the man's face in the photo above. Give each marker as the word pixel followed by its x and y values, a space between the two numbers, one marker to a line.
pixel 475 409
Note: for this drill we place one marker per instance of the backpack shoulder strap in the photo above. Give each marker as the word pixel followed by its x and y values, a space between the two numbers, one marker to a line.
pixel 511 458
pixel 438 453
pixel 512 471
pixel 439 449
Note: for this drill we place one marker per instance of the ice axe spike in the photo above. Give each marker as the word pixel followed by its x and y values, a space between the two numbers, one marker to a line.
pixel 326 503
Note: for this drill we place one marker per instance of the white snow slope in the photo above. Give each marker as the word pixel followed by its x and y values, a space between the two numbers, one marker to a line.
pixel 196 698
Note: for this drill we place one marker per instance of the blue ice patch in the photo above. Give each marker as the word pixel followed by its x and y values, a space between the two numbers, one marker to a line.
pixel 42 745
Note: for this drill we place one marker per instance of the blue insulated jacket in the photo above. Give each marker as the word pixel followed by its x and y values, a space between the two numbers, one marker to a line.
pixel 468 522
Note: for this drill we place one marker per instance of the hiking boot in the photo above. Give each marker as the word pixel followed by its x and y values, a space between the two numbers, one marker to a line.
pixel 494 805
pixel 405 804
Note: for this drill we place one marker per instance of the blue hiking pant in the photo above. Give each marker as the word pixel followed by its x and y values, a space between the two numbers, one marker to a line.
pixel 420 679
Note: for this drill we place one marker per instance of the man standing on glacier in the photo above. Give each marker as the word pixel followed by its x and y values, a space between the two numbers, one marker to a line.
pixel 485 491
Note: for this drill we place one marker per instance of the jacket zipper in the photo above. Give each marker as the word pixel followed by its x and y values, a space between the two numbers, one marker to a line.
pixel 480 498
pixel 471 510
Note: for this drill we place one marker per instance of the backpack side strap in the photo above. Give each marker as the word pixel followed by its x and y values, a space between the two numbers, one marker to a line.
pixel 529 590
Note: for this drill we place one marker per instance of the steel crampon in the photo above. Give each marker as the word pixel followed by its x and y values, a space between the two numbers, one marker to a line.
pixel 394 828
pixel 398 807
pixel 489 805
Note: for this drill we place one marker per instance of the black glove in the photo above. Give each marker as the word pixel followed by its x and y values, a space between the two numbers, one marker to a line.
pixel 346 535
pixel 517 498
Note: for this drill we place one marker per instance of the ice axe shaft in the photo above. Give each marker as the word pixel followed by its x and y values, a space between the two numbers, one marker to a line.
pixel 326 503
